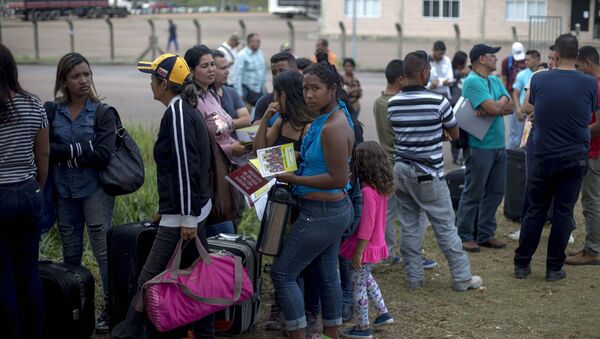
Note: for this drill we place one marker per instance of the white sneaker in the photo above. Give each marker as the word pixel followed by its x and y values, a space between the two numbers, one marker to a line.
pixel 514 235
pixel 571 239
pixel 472 284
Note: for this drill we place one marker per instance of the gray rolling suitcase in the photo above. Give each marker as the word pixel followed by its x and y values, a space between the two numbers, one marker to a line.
pixel 239 318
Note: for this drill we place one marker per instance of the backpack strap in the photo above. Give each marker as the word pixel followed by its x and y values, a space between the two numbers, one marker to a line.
pixel 50 107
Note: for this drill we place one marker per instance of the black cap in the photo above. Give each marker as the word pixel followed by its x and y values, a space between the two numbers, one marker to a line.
pixel 481 49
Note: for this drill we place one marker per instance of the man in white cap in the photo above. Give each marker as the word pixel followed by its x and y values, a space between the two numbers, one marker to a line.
pixel 512 65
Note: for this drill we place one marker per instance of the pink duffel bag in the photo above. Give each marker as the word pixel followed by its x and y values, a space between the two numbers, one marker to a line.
pixel 178 297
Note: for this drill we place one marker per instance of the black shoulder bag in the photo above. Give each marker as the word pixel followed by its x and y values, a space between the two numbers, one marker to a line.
pixel 124 173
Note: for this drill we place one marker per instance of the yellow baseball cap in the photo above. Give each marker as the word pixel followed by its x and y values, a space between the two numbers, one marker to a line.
pixel 168 66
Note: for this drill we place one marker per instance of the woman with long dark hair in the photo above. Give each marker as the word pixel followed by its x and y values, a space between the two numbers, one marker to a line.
pixel 294 118
pixel 202 65
pixel 82 140
pixel 320 185
pixel 24 152
pixel 291 125
pixel 182 157
pixel 220 124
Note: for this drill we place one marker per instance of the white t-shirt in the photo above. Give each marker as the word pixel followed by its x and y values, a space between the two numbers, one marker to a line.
pixel 441 71
pixel 230 55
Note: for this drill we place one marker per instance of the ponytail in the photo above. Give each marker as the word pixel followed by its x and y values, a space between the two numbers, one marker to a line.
pixel 326 72
pixel 187 91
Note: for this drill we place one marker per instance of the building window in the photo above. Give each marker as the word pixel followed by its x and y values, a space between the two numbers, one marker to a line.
pixel 441 8
pixel 364 8
pixel 523 9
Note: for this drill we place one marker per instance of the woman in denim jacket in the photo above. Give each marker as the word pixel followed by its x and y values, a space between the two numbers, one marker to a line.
pixel 80 146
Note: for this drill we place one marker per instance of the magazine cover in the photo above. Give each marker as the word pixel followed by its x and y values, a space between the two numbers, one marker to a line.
pixel 276 159
pixel 247 179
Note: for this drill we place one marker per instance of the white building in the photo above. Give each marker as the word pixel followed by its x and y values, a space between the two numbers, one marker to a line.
pixel 481 20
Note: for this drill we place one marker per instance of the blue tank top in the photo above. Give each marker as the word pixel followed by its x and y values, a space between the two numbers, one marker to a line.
pixel 313 159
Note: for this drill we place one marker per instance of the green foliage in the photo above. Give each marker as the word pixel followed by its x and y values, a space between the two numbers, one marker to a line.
pixel 249 225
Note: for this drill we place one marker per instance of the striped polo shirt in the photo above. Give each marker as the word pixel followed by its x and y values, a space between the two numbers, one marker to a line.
pixel 17 135
pixel 418 117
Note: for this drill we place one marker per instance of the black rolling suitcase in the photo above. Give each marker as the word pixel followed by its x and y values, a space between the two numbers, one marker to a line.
pixel 514 193
pixel 239 318
pixel 69 300
pixel 456 184
pixel 128 246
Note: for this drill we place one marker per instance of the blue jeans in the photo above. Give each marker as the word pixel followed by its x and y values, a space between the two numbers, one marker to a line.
pixel 162 249
pixel 529 157
pixel 96 211
pixel 346 282
pixel 550 178
pixel 173 40
pixel 485 177
pixel 315 236
pixel 21 294
pixel 310 281
pixel 222 227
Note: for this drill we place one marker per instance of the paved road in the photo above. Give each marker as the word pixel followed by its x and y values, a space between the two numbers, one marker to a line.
pixel 131 37
pixel 129 91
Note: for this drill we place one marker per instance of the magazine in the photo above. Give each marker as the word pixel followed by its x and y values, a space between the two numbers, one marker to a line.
pixel 276 160
pixel 246 134
pixel 247 179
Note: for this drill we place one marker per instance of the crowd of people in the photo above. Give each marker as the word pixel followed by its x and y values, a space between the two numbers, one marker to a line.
pixel 208 94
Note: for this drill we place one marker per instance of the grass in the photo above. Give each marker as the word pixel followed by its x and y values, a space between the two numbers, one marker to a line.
pixel 504 308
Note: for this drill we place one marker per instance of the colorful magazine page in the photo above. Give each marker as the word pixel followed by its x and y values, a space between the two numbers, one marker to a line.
pixel 246 134
pixel 276 160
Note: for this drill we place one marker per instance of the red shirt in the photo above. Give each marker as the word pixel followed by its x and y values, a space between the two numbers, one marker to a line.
pixel 511 74
pixel 595 142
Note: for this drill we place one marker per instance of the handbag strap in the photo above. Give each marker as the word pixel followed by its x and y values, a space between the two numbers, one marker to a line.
pixel 173 267
pixel 175 260
pixel 237 292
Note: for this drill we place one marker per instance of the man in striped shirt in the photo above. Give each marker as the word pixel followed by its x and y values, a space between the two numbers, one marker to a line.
pixel 420 119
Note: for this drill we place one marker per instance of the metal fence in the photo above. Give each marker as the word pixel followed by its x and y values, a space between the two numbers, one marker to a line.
pixel 543 30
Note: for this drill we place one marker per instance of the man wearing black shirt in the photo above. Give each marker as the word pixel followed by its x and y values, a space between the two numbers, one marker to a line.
pixel 563 99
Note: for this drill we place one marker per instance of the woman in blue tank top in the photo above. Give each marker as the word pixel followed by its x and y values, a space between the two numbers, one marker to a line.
pixel 325 210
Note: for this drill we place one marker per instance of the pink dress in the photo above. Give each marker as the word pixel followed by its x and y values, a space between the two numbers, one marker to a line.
pixel 371 228
pixel 220 126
